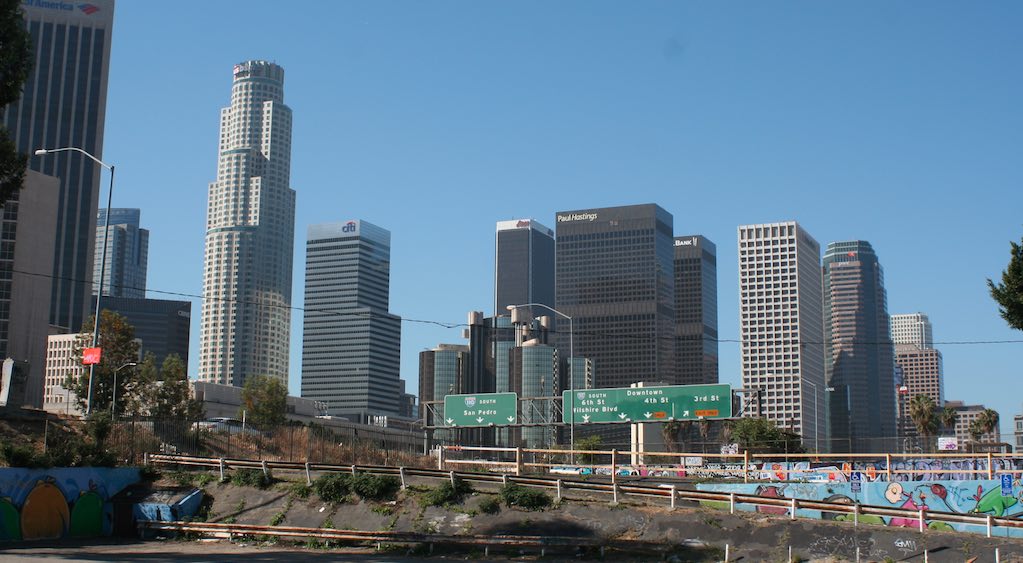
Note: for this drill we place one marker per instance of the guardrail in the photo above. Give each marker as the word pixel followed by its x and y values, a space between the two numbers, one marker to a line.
pixel 677 461
pixel 672 493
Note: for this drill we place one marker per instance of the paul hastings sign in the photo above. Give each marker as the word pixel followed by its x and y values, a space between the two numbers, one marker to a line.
pixel 567 217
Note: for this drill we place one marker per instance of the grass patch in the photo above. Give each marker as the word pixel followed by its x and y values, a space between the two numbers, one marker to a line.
pixel 446 493
pixel 514 494
pixel 337 487
pixel 490 505
pixel 252 478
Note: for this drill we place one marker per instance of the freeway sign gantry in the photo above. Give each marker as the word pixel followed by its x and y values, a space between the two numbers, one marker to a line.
pixel 481 409
pixel 647 404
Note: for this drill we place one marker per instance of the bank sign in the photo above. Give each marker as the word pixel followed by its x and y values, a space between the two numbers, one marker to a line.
pixel 647 404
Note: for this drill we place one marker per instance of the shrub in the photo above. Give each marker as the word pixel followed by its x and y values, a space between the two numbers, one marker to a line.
pixel 333 487
pixel 251 478
pixel 375 487
pixel 300 490
pixel 447 493
pixel 490 505
pixel 514 494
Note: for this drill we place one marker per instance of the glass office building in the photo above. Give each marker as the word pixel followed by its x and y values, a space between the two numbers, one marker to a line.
pixel 858 354
pixel 615 278
pixel 440 373
pixel 63 104
pixel 127 254
pixel 524 265
pixel 696 310
pixel 351 344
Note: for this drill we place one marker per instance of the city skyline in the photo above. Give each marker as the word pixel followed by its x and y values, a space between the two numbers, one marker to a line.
pixel 663 109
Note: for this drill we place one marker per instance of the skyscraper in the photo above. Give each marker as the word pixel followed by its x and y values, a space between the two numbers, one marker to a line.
pixel 615 279
pixel 127 254
pixel 441 371
pixel 912 329
pixel 921 375
pixel 350 342
pixel 250 231
pixel 161 325
pixel 524 265
pixel 858 355
pixel 696 310
pixel 782 329
pixel 63 104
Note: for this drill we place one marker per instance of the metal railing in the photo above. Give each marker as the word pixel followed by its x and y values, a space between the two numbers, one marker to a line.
pixel 560 485
pixel 748 466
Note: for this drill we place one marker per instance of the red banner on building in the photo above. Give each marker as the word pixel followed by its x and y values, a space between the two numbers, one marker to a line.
pixel 90 356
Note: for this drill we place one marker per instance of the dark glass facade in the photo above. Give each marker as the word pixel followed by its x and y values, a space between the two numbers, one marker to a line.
pixel 696 311
pixel 615 278
pixel 350 342
pixel 162 325
pixel 63 104
pixel 859 357
pixel 524 265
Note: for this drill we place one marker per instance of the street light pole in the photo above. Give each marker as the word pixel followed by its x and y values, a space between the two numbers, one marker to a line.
pixel 571 370
pixel 113 398
pixel 102 262
pixel 816 415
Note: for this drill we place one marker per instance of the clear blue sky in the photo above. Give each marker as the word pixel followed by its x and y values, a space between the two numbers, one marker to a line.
pixel 894 122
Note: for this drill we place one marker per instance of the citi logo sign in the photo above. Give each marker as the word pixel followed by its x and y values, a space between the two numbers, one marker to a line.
pixel 88 9
pixel 350 227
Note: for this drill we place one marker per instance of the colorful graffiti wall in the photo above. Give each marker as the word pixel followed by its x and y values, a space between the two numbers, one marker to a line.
pixel 977 497
pixel 815 472
pixel 56 503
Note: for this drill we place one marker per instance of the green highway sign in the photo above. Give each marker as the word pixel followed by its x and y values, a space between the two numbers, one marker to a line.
pixel 647 404
pixel 481 409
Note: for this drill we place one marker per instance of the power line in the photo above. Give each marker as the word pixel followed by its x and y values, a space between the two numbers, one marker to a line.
pixel 577 333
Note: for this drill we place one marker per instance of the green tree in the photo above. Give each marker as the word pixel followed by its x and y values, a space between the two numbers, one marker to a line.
pixel 117 341
pixel 169 395
pixel 761 435
pixel 922 411
pixel 15 64
pixel 265 400
pixel 948 418
pixel 1009 293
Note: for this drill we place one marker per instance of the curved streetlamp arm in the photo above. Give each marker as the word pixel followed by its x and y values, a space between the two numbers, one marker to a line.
pixel 40 152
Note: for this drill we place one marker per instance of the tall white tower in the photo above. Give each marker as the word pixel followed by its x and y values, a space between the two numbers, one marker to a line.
pixel 912 329
pixel 783 327
pixel 250 233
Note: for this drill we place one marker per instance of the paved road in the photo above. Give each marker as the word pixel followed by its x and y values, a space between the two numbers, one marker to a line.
pixel 197 551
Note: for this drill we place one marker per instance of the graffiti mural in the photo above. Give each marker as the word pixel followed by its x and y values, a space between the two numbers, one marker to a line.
pixel 961 497
pixel 814 471
pixel 56 503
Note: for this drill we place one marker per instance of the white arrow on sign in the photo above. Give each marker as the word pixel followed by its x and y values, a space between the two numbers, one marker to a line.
pixel 586 418
pixel 685 413
pixel 648 414
pixel 479 419
pixel 511 419
pixel 622 416
pixel 451 422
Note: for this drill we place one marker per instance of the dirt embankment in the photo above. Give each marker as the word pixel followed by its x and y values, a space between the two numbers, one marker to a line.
pixel 689 533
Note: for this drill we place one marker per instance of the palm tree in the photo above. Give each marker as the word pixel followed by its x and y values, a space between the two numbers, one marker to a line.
pixel 987 420
pixel 669 433
pixel 922 413
pixel 948 418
